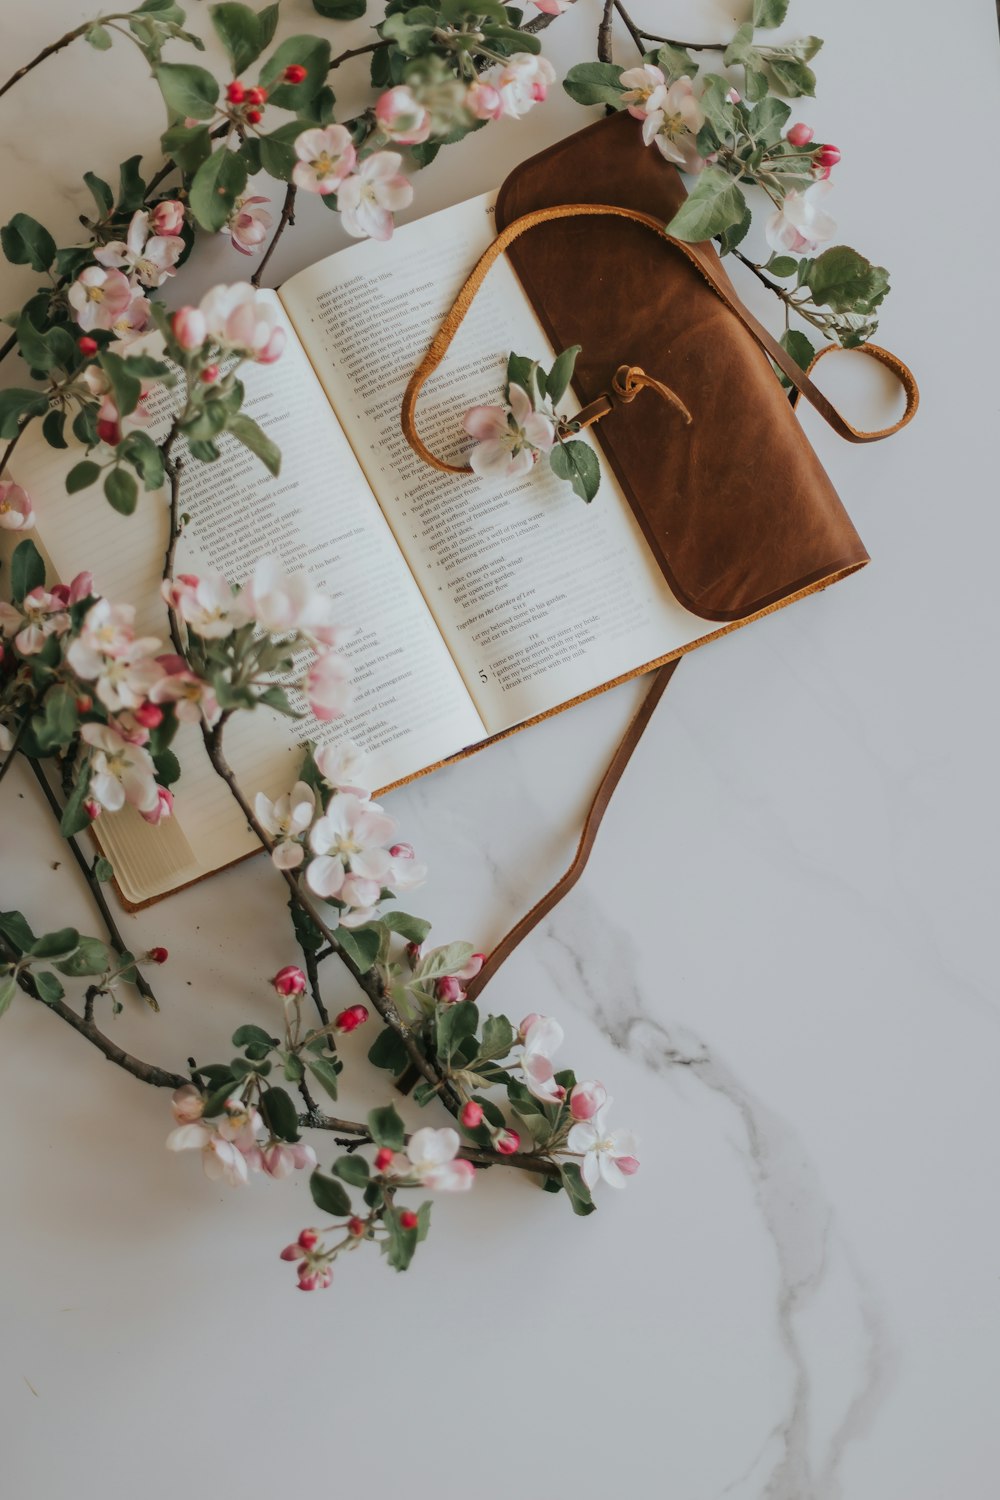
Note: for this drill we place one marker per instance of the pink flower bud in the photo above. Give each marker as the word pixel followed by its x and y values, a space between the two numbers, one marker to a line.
pixel 401 115
pixel 472 1115
pixel 272 349
pixel 308 1280
pixel 84 703
pixel 448 989
pixel 356 1227
pixel 92 809
pixel 308 1239
pixel 384 1158
pixel 403 851
pixel 527 1024
pixel 586 1099
pixel 109 425
pixel 733 95
pixel 157 955
pixel 209 375
pixel 351 1018
pixel 149 715
pixel 413 952
pixel 408 1219
pixel 168 218
pixel 507 1142
pixel 292 1252
pixel 827 157
pixel 187 1104
pixel 627 1165
pixel 189 326
pixel 289 981
pixel 484 102
pixel 164 806
pixel 799 135
pixel 473 967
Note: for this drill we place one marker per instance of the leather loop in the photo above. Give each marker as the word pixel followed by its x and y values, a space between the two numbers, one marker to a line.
pixel 591 824
pixel 703 260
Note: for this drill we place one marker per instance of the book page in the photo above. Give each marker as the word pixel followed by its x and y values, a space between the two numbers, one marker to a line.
pixel 411 708
pixel 540 597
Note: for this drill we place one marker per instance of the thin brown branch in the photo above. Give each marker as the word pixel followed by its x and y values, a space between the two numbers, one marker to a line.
pixel 640 37
pixel 312 973
pixel 528 1161
pixel 287 218
pixel 343 57
pixel 605 42
pixel 94 885
pixel 48 51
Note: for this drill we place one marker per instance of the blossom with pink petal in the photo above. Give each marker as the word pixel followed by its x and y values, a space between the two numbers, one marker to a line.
pixel 801 224
pixel 167 218
pixel 187 1104
pixel 433 1158
pixel 149 259
pixel 522 81
pixel 248 224
pixel 189 695
pixel 220 1158
pixel 672 121
pixel 286 820
pixel 400 115
pixel 327 686
pixel 283 602
pixel 16 510
pixel 164 807
pixel 208 605
pixel 368 199
pixel 133 321
pixel 586 1099
pixel 509 439
pixel 42 613
pixel 325 158
pixel 120 772
pixel 608 1154
pixel 533 1059
pixel 642 87
pixel 350 838
pixel 342 767
pixel 190 327
pixel 244 319
pixel 483 101
pixel 99 296
pixel 284 1158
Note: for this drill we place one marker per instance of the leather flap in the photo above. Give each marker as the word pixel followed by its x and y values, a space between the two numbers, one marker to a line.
pixel 736 507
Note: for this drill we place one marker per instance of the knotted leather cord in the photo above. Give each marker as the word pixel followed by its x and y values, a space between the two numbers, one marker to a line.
pixel 627 382
pixel 703 260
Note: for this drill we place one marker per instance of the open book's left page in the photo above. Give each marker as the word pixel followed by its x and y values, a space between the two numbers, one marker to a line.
pixel 411 707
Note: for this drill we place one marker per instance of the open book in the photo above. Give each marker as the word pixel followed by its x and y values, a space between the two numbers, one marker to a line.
pixel 478 606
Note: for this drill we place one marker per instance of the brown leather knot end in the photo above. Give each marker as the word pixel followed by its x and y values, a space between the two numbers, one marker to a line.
pixel 629 380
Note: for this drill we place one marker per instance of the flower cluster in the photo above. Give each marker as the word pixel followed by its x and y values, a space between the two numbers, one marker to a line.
pixel 111 295
pixel 234 1142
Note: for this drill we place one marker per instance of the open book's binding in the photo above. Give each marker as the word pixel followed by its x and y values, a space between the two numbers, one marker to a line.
pixel 736 508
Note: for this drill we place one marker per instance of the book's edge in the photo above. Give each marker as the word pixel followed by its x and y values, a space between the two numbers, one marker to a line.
pixel 813 586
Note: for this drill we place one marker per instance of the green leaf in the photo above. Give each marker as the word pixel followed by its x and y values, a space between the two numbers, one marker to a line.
pixel 243 1035
pixel 311 53
pixel 16 930
pixel 361 944
pixel 794 79
pixel 561 373
pixel 453 1023
pixel 101 194
pixel 99 37
pixel 246 431
pixel 91 957
pixel 103 870
pixel 595 83
pixel 387 1051
pixel 413 929
pixel 577 462
pixel 782 265
pixel 769 13
pixel 767 120
pixel 340 10
pixel 57 723
pixel 401 1244
pixel 27 571
pixel 121 491
pixel 8 989
pixel 52 428
pixel 217 184
pixel 125 386
pixel 329 1196
pixel 16 406
pixel 189 91
pixel 48 986
pixel 75 816
pixel 82 475
pixel 386 1128
pixel 576 1189
pixel 675 62
pixel 731 237
pixel 56 944
pixel 353 1169
pixel 167 766
pixel 714 203
pixel 280 1115
pixel 498 1037
pixel 146 458
pixel 26 242
pixel 846 281
pixel 324 1070
pixel 34 346
pixel 241 32
pixel 277 150
pixel 189 145
pixel 441 961
pixel 740 47
pixel 131 186
pixel 524 372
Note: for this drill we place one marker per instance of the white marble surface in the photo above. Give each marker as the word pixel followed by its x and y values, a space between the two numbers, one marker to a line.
pixel 780 960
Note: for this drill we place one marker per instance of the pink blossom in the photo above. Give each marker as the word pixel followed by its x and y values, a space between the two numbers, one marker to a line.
pixel 586 1099
pixel 552 7
pixel 98 297
pixel 801 224
pixel 289 981
pixel 248 225
pixel 401 116
pixel 109 422
pixel 42 613
pixel 187 1104
pixel 120 772
pixel 641 86
pixel 606 1153
pixel 368 199
pixel 81 587
pixel 133 322
pixel 244 319
pixel 208 605
pixel 167 218
pixel 282 1159
pixel 350 838
pixel 325 158
pixel 672 121
pixel 522 81
pixel 190 327
pixel 16 510
pixel 483 101
pixel 327 686
pixel 342 767
pixel 282 603
pixel 149 260
pixel 164 806
pixel 509 438
pixel 534 1060
pixel 448 989
pixel 406 872
pixel 433 1158
pixel 180 686
pixel 220 1158
pixel 286 820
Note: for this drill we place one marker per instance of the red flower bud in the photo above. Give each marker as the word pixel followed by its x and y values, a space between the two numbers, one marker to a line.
pixel 448 990
pixel 254 116
pixel 210 374
pixel 408 1219
pixel 507 1142
pixel 291 1252
pixel 356 1227
pixel 294 73
pixel 827 156
pixel 150 715
pixel 84 703
pixel 351 1018
pixel 309 1239
pixel 157 955
pixel 87 345
pixel 289 981
pixel 235 92
pixel 413 954
pixel 92 809
pixel 799 135
pixel 256 96
pixel 384 1158
pixel 472 1115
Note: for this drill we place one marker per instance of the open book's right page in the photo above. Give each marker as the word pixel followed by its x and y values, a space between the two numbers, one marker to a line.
pixel 540 597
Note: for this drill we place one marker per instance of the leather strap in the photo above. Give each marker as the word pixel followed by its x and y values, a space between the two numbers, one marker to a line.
pixel 591 824
pixel 705 262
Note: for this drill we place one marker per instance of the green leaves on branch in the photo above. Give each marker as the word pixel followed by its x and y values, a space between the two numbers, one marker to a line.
pixel 577 463
pixel 595 83
pixel 244 33
pixel 845 281
pixel 217 184
pixel 714 204
pixel 189 92
pixel 27 243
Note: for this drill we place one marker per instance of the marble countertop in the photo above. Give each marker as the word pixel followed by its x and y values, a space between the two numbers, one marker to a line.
pixel 778 960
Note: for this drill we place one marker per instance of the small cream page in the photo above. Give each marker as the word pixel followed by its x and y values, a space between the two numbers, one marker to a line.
pixel 411 707
pixel 540 597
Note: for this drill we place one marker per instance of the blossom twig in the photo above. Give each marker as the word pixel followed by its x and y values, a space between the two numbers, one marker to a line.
pixel 343 57
pixel 49 51
pixel 639 36
pixel 605 44
pixel 287 218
